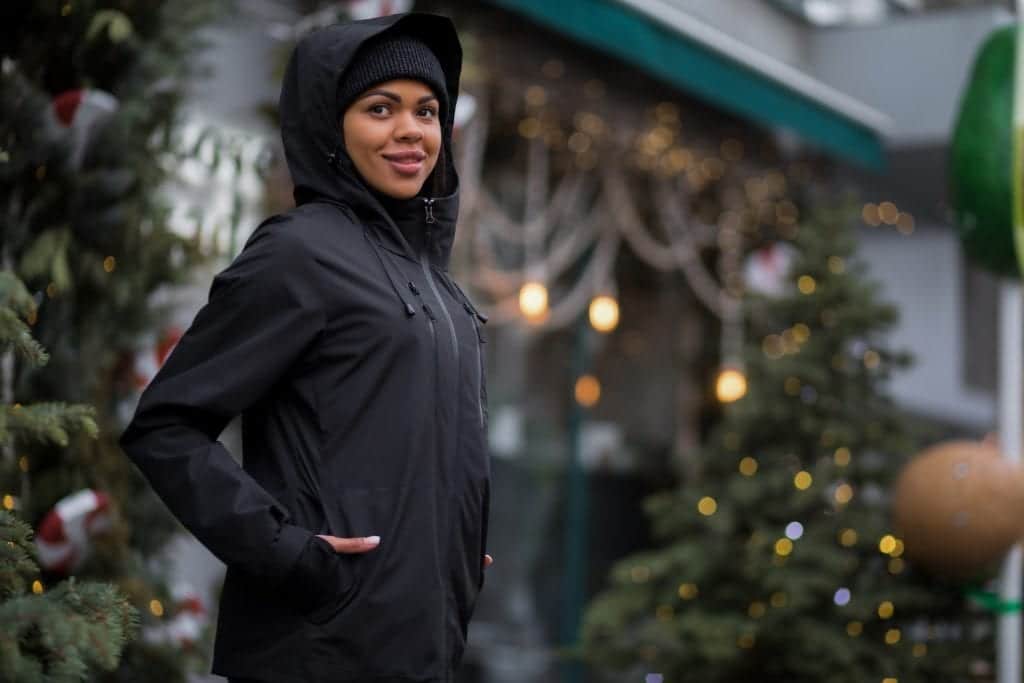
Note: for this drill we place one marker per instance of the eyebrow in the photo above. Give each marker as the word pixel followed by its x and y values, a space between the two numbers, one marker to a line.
pixel 395 97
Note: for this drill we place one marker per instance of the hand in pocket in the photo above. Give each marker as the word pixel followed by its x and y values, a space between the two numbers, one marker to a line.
pixel 359 544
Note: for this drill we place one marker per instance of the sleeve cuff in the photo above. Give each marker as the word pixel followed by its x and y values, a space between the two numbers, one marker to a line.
pixel 287 548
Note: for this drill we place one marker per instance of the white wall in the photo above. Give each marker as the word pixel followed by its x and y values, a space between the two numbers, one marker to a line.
pixel 922 275
pixel 913 69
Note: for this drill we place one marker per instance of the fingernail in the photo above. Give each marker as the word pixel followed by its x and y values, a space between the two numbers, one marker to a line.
pixel 373 540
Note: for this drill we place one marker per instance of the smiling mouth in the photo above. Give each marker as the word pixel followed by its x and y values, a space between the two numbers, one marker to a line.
pixel 406 163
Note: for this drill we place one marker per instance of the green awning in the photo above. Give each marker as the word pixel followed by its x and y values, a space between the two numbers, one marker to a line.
pixel 706 73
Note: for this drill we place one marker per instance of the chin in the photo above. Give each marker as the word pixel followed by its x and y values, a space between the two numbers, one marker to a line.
pixel 401 190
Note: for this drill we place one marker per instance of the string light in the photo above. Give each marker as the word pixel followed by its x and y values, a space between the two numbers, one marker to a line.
pixel 794 531
pixel 842 597
pixel 888 212
pixel 731 385
pixel 604 313
pixel 748 466
pixel 707 506
pixel 688 591
pixel 156 607
pixel 806 284
pixel 757 609
pixel 533 300
pixel 886 610
pixel 870 214
pixel 905 223
pixel 844 494
pixel 887 544
pixel 854 629
pixel 37 586
pixel 842 456
pixel 847 538
pixel 803 480
pixel 783 547
pixel 588 391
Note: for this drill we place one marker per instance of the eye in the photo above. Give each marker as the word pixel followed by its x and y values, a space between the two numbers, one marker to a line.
pixel 428 112
pixel 378 108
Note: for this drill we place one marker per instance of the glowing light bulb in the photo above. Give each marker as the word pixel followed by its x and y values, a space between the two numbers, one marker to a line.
pixel 604 313
pixel 588 391
pixel 731 385
pixel 533 300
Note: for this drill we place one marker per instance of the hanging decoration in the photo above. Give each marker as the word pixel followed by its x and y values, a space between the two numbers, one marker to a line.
pixel 982 158
pixel 83 112
pixel 766 270
pixel 958 508
pixel 149 361
pixel 64 537
pixel 188 620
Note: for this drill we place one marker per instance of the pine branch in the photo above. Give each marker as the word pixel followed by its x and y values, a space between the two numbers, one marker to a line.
pixel 52 422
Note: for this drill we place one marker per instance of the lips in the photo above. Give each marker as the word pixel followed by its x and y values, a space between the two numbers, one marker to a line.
pixel 406 163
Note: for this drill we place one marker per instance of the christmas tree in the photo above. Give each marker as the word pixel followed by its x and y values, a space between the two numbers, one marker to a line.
pixel 776 560
pixel 67 632
pixel 90 109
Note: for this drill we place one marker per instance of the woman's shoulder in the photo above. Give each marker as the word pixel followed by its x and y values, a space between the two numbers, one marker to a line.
pixel 304 230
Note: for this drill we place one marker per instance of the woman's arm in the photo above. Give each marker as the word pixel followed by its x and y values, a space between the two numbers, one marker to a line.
pixel 263 312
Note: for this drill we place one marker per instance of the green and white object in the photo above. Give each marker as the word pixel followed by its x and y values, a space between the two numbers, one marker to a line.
pixel 985 177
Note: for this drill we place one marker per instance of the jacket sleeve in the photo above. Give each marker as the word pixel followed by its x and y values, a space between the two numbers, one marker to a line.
pixel 262 314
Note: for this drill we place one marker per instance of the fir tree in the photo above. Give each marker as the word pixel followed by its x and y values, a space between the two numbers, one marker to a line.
pixel 776 562
pixel 90 95
pixel 75 629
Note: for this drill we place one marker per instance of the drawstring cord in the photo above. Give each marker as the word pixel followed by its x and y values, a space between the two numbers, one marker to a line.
pixel 410 310
pixel 452 287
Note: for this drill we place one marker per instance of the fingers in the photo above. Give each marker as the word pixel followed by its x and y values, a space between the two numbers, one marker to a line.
pixel 488 561
pixel 352 545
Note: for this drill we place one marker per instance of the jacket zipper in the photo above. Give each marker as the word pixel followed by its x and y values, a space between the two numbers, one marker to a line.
pixel 428 208
pixel 428 205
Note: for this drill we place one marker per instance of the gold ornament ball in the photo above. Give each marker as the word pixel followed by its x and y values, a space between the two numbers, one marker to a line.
pixel 958 507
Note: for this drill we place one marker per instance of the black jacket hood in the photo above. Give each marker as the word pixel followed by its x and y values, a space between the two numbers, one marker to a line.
pixel 314 148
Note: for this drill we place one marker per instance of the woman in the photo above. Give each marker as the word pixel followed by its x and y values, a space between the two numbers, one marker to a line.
pixel 354 535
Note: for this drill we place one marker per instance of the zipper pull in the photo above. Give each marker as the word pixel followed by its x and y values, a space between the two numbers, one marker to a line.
pixel 428 207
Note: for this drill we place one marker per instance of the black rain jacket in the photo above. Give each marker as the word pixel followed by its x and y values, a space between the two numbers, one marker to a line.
pixel 357 365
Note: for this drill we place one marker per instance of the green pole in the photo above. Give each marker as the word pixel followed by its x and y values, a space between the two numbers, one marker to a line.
pixel 575 577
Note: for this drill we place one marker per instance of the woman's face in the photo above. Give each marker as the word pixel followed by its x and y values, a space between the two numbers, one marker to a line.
pixel 393 136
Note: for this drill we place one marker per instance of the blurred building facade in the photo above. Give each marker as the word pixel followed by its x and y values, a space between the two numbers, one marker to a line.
pixel 867 105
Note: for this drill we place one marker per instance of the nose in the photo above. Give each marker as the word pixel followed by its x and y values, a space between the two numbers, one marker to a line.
pixel 407 128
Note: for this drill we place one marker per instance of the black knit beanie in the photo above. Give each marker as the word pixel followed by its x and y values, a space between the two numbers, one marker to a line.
pixel 389 57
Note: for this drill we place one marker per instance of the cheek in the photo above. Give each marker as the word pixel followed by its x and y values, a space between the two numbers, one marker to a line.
pixel 432 144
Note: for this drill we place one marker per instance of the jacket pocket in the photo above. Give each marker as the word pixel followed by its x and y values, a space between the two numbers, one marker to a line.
pixel 323 582
pixel 395 622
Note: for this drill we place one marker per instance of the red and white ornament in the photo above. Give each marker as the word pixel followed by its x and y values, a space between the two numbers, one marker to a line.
pixel 370 9
pixel 83 111
pixel 767 269
pixel 64 537
pixel 149 362
pixel 190 617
